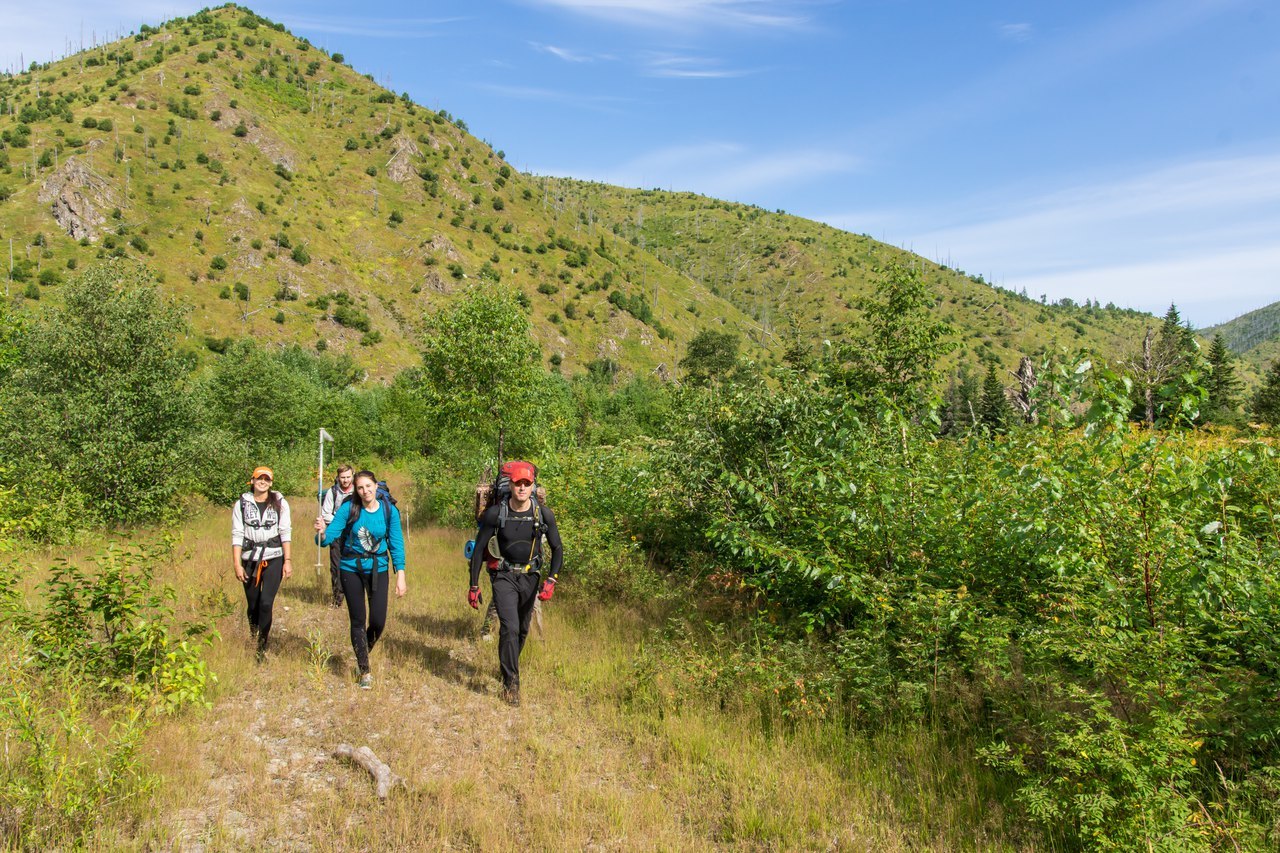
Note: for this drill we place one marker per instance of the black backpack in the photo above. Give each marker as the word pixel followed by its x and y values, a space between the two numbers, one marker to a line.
pixel 346 544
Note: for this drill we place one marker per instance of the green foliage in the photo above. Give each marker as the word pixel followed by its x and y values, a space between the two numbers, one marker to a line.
pixel 896 358
pixel 994 411
pixel 1096 605
pixel 481 367
pixel 710 355
pixel 1222 386
pixel 97 400
pixel 88 672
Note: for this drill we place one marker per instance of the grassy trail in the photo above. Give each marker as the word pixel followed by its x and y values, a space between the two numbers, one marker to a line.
pixel 573 768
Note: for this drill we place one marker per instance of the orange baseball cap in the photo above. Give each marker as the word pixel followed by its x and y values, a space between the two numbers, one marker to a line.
pixel 518 470
pixel 259 471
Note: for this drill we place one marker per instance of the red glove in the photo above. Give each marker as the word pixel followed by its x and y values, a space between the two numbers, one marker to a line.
pixel 473 597
pixel 548 588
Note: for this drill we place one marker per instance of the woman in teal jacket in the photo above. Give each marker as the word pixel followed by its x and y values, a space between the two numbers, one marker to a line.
pixel 372 544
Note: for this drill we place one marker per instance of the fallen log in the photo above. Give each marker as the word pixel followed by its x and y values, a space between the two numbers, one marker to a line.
pixel 364 756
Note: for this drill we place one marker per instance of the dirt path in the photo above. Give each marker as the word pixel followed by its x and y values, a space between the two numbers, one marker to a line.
pixel 570 769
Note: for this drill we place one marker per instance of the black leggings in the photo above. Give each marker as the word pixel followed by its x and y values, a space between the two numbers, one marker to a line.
pixel 355 586
pixel 515 594
pixel 261 597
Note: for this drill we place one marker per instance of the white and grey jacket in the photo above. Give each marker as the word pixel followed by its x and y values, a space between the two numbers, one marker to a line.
pixel 333 498
pixel 261 537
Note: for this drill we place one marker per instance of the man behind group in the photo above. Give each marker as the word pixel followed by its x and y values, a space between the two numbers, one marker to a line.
pixel 343 487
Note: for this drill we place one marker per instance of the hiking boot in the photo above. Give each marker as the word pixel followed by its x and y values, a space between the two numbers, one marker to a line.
pixel 366 681
pixel 511 695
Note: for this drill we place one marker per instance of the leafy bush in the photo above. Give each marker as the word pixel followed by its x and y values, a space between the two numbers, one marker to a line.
pixel 88 673
pixel 1067 596
pixel 98 395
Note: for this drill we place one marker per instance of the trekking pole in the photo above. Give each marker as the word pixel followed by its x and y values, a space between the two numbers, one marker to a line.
pixel 324 435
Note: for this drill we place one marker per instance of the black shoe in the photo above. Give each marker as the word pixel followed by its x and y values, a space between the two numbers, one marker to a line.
pixel 511 695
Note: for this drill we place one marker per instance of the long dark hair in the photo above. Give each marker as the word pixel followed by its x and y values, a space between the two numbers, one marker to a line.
pixel 369 474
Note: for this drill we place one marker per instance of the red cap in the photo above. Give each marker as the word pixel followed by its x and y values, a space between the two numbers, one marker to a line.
pixel 517 470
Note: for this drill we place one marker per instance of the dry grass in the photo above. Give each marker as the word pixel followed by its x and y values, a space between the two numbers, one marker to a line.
pixel 573 768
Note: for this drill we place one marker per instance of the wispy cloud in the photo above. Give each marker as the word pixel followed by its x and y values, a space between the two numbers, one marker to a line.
pixel 771 14
pixel 720 169
pixel 1190 233
pixel 696 67
pixel 1057 63
pixel 1016 32
pixel 562 53
pixel 369 26
pixel 602 103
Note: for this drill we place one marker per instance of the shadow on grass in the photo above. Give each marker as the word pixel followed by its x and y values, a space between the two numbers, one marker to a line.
pixel 306 590
pixel 460 627
pixel 440 663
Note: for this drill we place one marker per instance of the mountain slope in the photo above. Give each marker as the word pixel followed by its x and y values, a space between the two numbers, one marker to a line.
pixel 282 195
pixel 1254 336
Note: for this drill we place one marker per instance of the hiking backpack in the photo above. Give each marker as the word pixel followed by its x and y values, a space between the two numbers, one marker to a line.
pixel 386 501
pixel 499 492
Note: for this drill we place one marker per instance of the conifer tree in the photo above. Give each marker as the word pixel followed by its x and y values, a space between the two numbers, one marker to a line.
pixel 1266 403
pixel 960 404
pixel 1223 386
pixel 994 411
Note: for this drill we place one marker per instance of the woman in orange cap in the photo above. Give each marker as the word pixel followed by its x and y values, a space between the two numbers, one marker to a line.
pixel 260 550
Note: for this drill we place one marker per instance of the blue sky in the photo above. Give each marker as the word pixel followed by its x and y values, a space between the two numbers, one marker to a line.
pixel 1122 151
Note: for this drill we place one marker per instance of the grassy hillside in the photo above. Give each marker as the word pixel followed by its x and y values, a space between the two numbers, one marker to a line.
pixel 1254 336
pixel 280 194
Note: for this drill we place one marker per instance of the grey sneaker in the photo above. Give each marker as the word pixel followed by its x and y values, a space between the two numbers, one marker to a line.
pixel 366 681
pixel 511 695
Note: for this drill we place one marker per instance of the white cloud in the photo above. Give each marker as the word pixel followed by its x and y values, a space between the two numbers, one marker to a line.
pixel 604 103
pixel 1016 32
pixel 562 53
pixel 1200 233
pixel 719 169
pixel 695 67
pixel 763 14
pixel 368 26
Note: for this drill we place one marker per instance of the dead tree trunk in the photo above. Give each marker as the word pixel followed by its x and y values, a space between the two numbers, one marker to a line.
pixel 364 756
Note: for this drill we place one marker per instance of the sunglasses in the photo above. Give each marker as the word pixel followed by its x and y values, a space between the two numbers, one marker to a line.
pixel 523 483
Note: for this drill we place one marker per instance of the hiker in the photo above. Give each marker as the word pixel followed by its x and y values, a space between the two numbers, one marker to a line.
pixel 260 550
pixel 518 524
pixel 342 488
pixel 367 531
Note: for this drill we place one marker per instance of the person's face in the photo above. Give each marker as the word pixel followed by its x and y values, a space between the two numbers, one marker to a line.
pixel 344 480
pixel 367 489
pixel 521 489
pixel 262 483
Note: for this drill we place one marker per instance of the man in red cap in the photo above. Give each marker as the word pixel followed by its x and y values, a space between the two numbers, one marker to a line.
pixel 512 530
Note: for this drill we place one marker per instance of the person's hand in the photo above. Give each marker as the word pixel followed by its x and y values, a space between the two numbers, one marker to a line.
pixel 240 575
pixel 319 525
pixel 548 589
pixel 473 597
pixel 401 586
pixel 288 568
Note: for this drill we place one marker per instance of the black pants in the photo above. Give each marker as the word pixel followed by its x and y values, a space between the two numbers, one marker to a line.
pixel 515 594
pixel 261 597
pixel 365 630
pixel 335 573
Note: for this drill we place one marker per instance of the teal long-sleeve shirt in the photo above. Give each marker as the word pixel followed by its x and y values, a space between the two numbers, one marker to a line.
pixel 369 534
